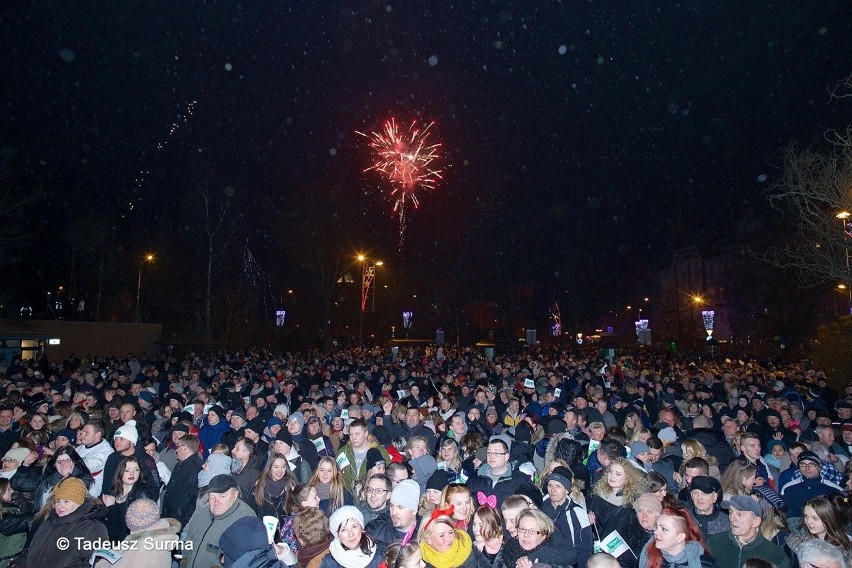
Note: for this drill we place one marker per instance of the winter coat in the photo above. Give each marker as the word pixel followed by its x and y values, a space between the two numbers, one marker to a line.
pixel 13 533
pixel 730 554
pixel 346 456
pixel 158 539
pixel 716 522
pixel 572 522
pixel 382 530
pixel 115 521
pixel 210 434
pixel 85 523
pixel 609 516
pixel 716 445
pixel 182 490
pixel 95 458
pixel 205 530
pixel 507 484
pixel 39 484
pixel 263 558
pixel 247 479
pixel 146 464
pixel 799 491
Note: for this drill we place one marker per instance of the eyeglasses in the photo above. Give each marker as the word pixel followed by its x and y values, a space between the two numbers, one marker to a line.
pixel 530 532
pixel 489 454
pixel 373 491
pixel 808 465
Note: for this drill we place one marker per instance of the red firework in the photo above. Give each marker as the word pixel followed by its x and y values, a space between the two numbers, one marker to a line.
pixel 405 159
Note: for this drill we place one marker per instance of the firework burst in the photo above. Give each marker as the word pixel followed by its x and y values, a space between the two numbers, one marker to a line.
pixel 405 159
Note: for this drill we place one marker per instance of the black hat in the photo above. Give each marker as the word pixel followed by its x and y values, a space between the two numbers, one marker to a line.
pixel 382 434
pixel 556 426
pixel 522 433
pixel 562 475
pixel 705 484
pixel 284 436
pixel 239 412
pixel 256 426
pixel 374 456
pixel 181 427
pixel 221 483
pixel 531 491
pixel 809 456
pixel 438 480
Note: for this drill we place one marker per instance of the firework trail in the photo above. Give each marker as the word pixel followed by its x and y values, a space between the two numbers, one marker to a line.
pixel 404 158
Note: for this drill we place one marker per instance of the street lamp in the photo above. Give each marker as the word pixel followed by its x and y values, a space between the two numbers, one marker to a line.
pixel 148 258
pixel 844 219
pixel 368 276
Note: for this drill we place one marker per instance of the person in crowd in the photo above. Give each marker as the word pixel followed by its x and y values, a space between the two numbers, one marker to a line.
pixel 569 517
pixel 351 545
pixel 205 528
pixel 125 440
pixel 244 467
pixel 316 436
pixel 12 460
pixel 38 482
pixel 821 521
pixel 300 499
pixel 536 543
pixel 314 537
pixel 283 444
pixel 486 529
pixel 743 540
pixel 400 555
pixel 690 468
pixel 457 497
pixel 450 460
pixel 677 542
pixel 704 496
pixel 352 457
pixel 272 488
pixel 738 479
pixel 330 485
pixel 69 516
pixel 179 498
pixel 149 444
pixel 497 477
pixel 151 538
pixel 817 552
pixel 400 522
pixel 14 524
pixel 640 529
pixel 750 453
pixel 442 544
pixel 244 544
pixel 611 502
pixel 809 485
pixel 377 497
pixel 127 486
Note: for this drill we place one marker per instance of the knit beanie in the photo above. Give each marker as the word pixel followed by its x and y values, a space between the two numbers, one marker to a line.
pixel 298 417
pixel 424 467
pixel 374 456
pixel 648 501
pixel 142 514
pixel 71 489
pixel 406 494
pixel 343 514
pixel 17 454
pixel 128 432
pixel 438 480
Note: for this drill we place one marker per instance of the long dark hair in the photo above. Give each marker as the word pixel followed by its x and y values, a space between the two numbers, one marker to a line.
pixel 80 471
pixel 265 476
pixel 118 484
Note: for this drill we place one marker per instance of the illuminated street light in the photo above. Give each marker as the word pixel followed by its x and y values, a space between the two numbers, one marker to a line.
pixel 148 258
pixel 368 276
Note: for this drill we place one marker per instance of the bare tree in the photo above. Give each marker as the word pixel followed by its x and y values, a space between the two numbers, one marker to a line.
pixel 816 189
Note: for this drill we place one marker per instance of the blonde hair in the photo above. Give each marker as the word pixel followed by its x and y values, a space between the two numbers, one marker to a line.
pixel 634 486
pixel 545 524
pixel 454 489
pixel 335 488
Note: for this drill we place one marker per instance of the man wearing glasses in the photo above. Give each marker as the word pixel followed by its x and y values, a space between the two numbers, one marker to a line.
pixel 497 477
pixel 378 494
pixel 797 492
pixel 182 490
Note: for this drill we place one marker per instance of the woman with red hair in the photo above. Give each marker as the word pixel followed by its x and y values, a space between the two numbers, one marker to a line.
pixel 677 543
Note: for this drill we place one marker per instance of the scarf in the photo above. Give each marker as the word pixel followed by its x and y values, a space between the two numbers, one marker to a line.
pixel 454 557
pixel 323 490
pixel 351 558
pixel 308 553
pixel 690 555
pixel 275 488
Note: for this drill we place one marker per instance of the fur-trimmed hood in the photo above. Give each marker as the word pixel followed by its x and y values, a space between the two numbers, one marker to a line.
pixel 554 443
pixel 164 529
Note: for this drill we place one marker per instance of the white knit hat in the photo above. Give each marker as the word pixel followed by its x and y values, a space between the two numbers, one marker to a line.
pixel 343 514
pixel 128 432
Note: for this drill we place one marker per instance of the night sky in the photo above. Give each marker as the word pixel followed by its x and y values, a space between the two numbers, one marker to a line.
pixel 583 142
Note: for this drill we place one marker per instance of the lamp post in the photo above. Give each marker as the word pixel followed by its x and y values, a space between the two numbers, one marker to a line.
pixel 148 258
pixel 844 219
pixel 368 277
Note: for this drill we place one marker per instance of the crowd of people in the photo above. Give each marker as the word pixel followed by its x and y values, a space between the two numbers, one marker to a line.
pixel 436 457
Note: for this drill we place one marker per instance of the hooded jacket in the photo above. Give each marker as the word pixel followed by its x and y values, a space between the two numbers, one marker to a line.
pixel 84 523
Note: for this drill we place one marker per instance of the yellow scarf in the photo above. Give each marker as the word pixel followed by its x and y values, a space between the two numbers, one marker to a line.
pixel 454 557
